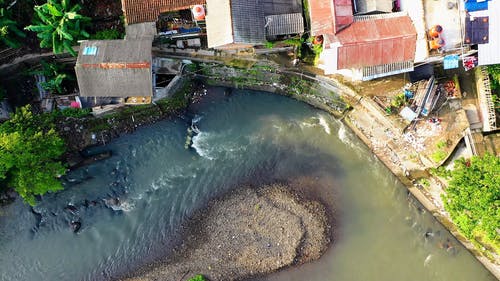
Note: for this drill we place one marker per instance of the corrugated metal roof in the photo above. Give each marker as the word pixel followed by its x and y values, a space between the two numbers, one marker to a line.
pixel 329 16
pixel 376 42
pixel 248 21
pixel 115 51
pixel 136 11
pixel 488 53
pixel 119 68
pixel 218 20
pixel 279 7
pixel 284 24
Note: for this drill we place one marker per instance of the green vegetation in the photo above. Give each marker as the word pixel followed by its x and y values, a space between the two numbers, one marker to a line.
pixel 108 34
pixel 440 154
pixel 473 198
pixel 178 101
pixel 54 75
pixel 293 42
pixel 75 112
pixel 59 26
pixel 310 52
pixel 398 101
pixel 494 72
pixel 29 152
pixel 269 44
pixel 198 277
pixel 9 31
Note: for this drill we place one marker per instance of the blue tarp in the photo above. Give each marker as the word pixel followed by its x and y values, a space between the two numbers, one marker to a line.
pixel 474 5
pixel 450 62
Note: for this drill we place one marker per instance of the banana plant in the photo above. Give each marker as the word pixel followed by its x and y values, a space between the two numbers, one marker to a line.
pixel 9 33
pixel 59 26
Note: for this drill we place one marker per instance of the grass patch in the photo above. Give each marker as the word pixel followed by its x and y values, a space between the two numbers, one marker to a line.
pixel 198 277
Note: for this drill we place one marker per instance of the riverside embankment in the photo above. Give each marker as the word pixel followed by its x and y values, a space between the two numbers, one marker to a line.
pixel 150 197
pixel 384 137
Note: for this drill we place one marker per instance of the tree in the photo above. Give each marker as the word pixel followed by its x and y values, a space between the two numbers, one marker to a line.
pixel 29 152
pixel 473 196
pixel 9 32
pixel 59 26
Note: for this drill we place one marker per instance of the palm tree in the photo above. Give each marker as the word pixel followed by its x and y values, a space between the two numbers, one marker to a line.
pixel 59 26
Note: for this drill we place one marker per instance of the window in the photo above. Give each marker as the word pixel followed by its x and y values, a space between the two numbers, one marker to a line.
pixel 90 51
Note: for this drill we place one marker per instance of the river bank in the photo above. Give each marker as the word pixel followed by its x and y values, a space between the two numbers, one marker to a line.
pixel 364 118
pixel 384 138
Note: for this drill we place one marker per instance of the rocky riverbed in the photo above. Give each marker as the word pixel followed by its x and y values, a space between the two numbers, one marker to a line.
pixel 248 232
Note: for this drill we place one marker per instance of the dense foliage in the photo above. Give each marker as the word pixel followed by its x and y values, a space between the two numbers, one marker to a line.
pixel 473 197
pixel 59 26
pixel 29 152
pixel 9 31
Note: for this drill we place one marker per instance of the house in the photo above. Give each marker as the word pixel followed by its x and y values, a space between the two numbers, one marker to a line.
pixel 139 11
pixel 246 23
pixel 119 69
pixel 362 47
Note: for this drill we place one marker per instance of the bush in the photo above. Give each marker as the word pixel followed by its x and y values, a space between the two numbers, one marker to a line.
pixel 473 197
pixel 108 34
pixel 30 150
pixel 76 112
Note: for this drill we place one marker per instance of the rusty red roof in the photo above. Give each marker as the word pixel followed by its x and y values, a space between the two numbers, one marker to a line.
pixel 137 11
pixel 329 16
pixel 376 42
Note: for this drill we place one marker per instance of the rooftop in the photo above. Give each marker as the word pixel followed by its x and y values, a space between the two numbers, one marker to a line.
pixel 376 42
pixel 114 68
pixel 137 11
pixel 329 16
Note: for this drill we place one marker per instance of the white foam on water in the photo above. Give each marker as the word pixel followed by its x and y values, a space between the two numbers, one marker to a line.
pixel 196 119
pixel 201 145
pixel 324 124
pixel 428 260
pixel 342 133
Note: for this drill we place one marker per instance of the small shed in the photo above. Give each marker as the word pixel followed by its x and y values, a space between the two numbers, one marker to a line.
pixel 115 68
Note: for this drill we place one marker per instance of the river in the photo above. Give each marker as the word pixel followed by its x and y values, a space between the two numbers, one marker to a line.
pixel 130 205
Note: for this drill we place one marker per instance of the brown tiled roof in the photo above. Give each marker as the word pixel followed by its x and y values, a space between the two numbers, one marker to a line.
pixel 137 11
